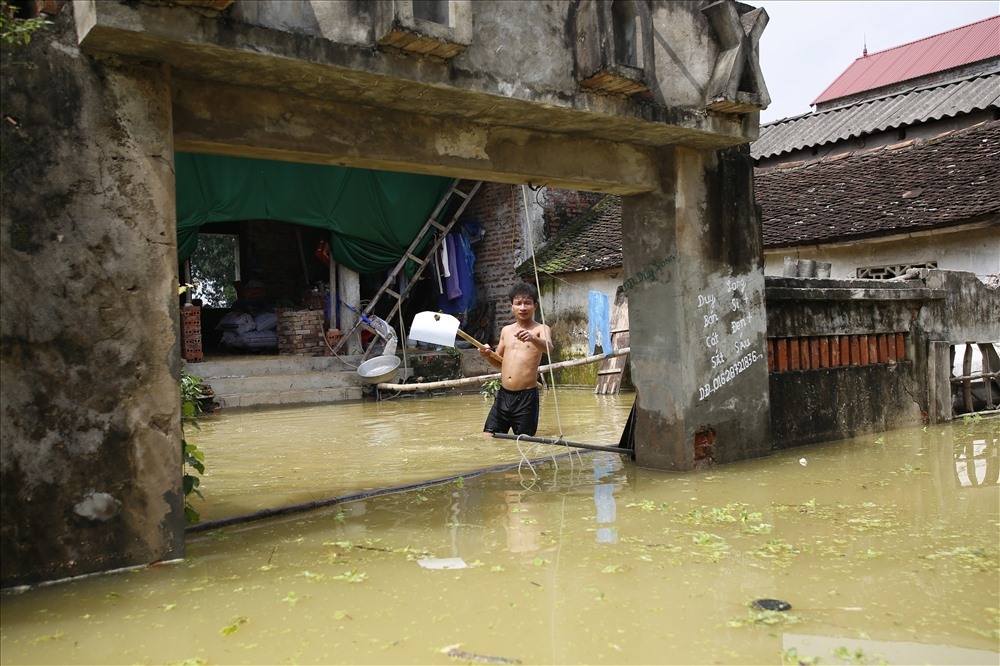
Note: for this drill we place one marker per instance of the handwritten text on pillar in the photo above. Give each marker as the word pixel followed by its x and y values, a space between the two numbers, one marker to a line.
pixel 725 327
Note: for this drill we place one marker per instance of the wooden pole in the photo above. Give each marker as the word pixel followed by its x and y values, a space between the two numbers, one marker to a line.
pixel 451 383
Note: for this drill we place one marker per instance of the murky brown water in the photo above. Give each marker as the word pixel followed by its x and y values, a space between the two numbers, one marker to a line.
pixel 885 546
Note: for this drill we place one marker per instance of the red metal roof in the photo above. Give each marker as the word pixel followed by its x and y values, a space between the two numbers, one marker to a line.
pixel 947 50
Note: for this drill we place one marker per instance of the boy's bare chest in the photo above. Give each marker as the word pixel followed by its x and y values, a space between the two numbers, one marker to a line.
pixel 515 338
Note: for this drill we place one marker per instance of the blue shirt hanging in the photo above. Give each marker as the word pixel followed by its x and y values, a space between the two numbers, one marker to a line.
pixel 600 322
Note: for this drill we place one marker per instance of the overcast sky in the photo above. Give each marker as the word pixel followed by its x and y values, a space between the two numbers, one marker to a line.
pixel 809 43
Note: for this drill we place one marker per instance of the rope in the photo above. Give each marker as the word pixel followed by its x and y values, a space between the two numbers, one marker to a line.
pixel 541 310
pixel 524 459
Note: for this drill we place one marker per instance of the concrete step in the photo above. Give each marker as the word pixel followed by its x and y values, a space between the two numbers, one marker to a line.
pixel 247 381
pixel 245 366
pixel 291 381
pixel 289 397
pixel 251 380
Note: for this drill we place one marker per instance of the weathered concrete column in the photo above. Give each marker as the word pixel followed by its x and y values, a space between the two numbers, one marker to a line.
pixel 694 278
pixel 90 419
pixel 349 293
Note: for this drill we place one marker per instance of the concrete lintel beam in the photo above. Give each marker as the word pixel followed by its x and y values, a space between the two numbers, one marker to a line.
pixel 299 64
pixel 248 122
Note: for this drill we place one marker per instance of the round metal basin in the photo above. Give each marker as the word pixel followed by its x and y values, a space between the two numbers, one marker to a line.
pixel 379 369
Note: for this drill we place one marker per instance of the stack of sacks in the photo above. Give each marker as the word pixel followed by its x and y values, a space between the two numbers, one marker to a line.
pixel 242 330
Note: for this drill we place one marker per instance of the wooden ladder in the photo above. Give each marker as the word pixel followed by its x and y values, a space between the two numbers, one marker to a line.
pixel 459 189
pixel 609 373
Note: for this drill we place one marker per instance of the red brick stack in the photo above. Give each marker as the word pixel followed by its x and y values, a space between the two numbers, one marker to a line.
pixel 191 334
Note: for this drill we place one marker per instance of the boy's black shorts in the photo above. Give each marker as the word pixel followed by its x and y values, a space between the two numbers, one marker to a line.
pixel 514 409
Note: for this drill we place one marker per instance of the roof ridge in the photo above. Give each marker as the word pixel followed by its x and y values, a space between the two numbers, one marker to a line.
pixel 909 91
pixel 934 36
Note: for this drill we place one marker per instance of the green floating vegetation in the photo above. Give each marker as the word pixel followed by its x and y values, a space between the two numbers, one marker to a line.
pixel 968 557
pixel 234 626
pixel 352 576
pixel 764 618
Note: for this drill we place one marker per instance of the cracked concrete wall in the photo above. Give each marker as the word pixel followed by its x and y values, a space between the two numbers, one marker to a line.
pixel 89 406
pixel 695 288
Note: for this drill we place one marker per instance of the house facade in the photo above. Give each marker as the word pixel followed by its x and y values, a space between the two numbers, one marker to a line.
pixel 893 171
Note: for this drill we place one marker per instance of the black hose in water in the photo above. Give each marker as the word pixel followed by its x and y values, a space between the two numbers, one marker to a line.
pixel 563 442
pixel 353 497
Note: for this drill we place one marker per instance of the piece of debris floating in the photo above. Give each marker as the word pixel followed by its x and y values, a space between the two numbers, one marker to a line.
pixel 443 563
pixel 482 658
pixel 771 605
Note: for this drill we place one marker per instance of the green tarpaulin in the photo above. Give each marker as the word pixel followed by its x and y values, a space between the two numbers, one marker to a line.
pixel 372 216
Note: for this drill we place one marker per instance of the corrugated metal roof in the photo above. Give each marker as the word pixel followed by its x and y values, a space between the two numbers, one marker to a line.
pixel 917 106
pixel 944 51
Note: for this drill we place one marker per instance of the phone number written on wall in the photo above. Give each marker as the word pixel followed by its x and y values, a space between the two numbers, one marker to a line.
pixel 718 328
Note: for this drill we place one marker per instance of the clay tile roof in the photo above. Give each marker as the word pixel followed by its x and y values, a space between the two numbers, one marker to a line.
pixel 591 242
pixel 938 53
pixel 945 181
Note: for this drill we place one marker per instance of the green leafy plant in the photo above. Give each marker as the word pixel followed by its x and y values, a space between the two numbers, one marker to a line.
pixel 490 388
pixel 194 459
pixel 18 31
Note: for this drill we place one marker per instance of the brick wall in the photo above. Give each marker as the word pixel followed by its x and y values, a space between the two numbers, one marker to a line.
pixel 300 332
pixel 498 208
pixel 272 256
pixel 562 207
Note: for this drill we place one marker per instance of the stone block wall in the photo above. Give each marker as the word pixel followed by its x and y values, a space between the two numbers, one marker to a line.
pixel 300 332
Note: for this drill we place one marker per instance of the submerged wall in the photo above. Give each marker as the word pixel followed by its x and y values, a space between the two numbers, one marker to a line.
pixel 853 357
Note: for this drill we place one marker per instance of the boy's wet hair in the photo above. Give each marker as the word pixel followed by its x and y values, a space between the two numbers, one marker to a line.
pixel 523 289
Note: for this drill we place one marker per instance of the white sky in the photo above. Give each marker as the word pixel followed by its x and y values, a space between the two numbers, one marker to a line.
pixel 809 43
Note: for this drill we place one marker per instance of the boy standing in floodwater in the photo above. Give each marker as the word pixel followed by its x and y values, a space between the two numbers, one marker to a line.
pixel 521 345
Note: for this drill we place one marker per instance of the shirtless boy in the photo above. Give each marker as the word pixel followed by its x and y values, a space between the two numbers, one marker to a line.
pixel 521 346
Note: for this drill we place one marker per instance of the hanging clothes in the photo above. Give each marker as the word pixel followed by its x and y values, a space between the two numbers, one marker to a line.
pixel 452 287
pixel 462 298
pixel 599 322
pixel 445 264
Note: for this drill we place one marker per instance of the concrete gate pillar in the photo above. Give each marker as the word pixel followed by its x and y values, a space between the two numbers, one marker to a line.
pixel 694 278
pixel 89 321
pixel 349 293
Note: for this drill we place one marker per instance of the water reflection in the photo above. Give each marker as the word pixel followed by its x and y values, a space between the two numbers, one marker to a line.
pixel 604 497
pixel 977 462
pixel 584 559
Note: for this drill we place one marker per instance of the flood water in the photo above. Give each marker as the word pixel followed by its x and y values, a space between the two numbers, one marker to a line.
pixel 885 546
